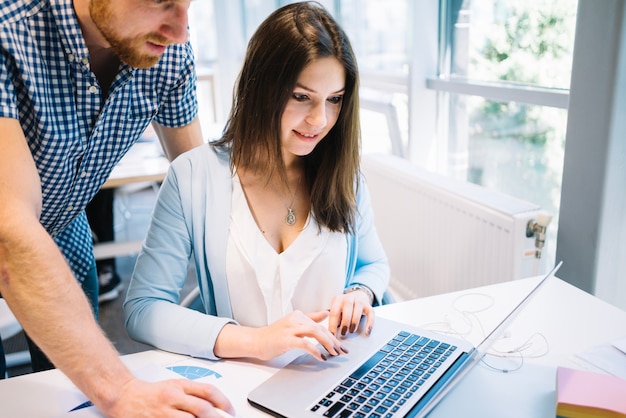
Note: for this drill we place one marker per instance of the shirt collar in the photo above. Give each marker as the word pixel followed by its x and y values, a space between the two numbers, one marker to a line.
pixel 72 35
pixel 69 28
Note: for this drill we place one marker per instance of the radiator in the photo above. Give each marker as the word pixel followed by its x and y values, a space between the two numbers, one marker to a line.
pixel 443 235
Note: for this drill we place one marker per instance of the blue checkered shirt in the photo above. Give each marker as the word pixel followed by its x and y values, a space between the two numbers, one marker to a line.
pixel 75 135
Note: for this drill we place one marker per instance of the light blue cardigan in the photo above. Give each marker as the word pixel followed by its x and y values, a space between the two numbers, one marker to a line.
pixel 191 220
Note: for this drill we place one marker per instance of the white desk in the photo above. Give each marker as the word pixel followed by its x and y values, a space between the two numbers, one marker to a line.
pixel 144 162
pixel 560 312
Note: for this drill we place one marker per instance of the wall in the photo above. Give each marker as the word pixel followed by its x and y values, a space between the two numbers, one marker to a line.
pixel 592 225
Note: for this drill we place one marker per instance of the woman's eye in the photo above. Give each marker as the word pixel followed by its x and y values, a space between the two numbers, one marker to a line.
pixel 300 97
pixel 335 99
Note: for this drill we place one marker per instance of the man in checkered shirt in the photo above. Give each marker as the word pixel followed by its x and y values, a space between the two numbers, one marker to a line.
pixel 79 82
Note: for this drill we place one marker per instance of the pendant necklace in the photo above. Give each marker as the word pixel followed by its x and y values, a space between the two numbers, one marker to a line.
pixel 290 219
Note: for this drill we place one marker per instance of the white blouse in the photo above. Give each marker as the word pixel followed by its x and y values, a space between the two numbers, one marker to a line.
pixel 263 285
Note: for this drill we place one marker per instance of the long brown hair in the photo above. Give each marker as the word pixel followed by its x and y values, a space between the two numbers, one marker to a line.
pixel 291 38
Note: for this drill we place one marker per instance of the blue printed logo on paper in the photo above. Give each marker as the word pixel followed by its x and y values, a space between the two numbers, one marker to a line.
pixel 194 372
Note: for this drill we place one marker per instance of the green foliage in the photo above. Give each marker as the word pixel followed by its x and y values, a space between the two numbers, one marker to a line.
pixel 526 42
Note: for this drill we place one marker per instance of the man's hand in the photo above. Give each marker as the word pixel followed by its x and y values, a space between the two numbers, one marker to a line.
pixel 168 398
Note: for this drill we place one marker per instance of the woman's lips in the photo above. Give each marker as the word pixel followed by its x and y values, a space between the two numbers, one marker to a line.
pixel 307 136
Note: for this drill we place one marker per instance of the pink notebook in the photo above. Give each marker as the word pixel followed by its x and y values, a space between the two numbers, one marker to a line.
pixel 582 394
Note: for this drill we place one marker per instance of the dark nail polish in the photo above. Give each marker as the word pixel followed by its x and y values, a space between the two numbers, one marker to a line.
pixel 344 349
pixel 344 330
pixel 324 357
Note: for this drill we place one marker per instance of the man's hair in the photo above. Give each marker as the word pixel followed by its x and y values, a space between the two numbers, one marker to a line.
pixel 291 38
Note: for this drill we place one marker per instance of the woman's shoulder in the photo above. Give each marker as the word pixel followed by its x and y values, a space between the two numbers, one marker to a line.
pixel 200 169
pixel 203 156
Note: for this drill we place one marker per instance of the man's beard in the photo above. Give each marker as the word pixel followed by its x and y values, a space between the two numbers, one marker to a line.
pixel 126 49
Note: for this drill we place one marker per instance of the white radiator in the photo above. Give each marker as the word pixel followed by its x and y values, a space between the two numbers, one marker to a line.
pixel 443 235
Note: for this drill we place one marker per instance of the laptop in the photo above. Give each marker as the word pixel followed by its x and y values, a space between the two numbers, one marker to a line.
pixel 398 371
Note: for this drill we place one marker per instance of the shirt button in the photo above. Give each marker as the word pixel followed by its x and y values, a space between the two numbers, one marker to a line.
pixel 93 89
pixel 70 57
pixel 84 174
pixel 85 61
pixel 69 208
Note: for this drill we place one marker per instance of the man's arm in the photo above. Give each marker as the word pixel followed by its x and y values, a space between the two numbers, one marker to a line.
pixel 40 289
pixel 37 283
pixel 175 141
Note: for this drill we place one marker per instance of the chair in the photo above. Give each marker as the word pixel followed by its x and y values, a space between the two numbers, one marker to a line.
pixel 10 327
pixel 192 300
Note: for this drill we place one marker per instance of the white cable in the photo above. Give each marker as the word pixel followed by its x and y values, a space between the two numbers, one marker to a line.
pixel 469 318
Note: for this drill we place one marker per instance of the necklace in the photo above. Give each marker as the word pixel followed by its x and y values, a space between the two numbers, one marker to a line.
pixel 290 219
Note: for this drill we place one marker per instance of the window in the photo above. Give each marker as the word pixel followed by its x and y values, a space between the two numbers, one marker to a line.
pixel 379 34
pixel 203 38
pixel 471 89
pixel 378 31
pixel 202 32
pixel 502 92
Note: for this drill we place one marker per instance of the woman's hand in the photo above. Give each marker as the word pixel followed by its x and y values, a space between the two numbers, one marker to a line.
pixel 346 311
pixel 294 331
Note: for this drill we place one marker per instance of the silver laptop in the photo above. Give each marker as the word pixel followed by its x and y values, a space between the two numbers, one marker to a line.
pixel 398 371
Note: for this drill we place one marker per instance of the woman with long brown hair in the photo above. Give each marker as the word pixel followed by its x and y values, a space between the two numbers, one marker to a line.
pixel 275 214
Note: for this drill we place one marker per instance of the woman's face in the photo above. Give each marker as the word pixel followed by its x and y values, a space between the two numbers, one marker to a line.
pixel 313 108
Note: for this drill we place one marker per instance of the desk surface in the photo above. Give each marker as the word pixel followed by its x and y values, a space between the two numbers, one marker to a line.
pixel 552 323
pixel 144 162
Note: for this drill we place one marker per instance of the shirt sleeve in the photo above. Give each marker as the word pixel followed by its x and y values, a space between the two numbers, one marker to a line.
pixel 8 106
pixel 152 310
pixel 180 105
pixel 372 266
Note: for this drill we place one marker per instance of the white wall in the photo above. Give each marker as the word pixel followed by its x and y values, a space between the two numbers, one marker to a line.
pixel 592 224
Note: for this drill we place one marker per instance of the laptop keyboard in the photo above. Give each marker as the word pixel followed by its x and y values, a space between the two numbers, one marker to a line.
pixel 387 380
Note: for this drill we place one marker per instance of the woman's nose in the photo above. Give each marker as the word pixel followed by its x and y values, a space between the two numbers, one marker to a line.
pixel 317 116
